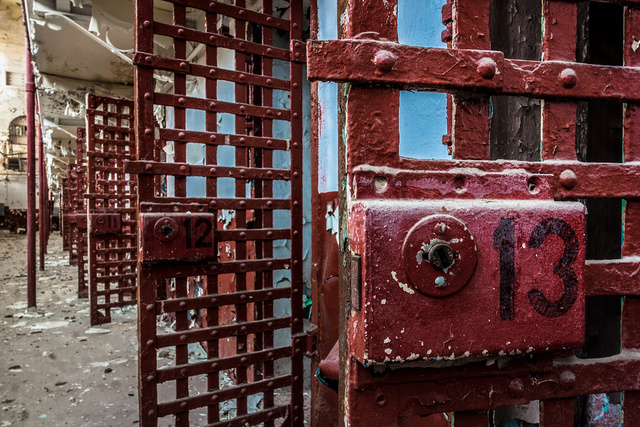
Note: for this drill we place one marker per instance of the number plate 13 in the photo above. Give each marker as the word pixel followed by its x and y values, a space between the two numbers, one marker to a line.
pixel 177 236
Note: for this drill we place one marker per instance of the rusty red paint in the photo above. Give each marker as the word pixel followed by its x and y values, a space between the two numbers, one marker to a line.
pixel 497 309
pixel 226 286
pixel 376 177
pixel 111 206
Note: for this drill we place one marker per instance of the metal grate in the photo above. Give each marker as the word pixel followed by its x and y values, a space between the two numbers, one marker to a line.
pixel 212 205
pixel 473 73
pixel 111 206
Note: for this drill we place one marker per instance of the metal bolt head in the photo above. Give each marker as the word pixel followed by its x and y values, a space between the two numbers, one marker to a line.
pixel 568 78
pixel 385 60
pixel 516 388
pixel 568 179
pixel 487 68
pixel 440 229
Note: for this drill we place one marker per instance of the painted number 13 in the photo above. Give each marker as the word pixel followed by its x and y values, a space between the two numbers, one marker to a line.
pixel 504 240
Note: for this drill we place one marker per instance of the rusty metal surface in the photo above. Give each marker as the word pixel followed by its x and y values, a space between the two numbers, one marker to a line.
pixel 208 263
pixel 111 206
pixel 390 202
pixel 79 217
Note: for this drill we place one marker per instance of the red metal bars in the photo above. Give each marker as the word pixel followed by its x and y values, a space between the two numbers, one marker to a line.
pixel 31 175
pixel 376 171
pixel 43 200
pixel 111 207
pixel 211 206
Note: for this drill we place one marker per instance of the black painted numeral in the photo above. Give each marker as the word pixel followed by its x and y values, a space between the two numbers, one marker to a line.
pixel 562 269
pixel 200 242
pixel 504 240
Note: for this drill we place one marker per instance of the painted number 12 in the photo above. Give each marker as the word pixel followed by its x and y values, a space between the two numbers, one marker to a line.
pixel 504 240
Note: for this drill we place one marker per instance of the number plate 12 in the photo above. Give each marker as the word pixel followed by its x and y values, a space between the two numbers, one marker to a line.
pixel 177 236
pixel 475 278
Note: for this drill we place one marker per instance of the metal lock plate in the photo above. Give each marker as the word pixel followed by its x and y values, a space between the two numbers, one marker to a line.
pixel 501 277
pixel 177 236
pixel 80 220
pixel 105 223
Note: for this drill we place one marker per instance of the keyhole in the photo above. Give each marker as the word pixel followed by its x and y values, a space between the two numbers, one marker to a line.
pixel 441 256
pixel 167 230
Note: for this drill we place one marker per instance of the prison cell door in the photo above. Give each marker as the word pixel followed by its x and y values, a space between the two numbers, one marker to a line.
pixel 111 207
pixel 468 276
pixel 224 82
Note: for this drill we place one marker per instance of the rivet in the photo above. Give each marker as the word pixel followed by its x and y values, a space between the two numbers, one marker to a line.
pixel 183 338
pixel 568 179
pixel 567 380
pixel 244 359
pixel 242 171
pixel 269 142
pixel 183 404
pixel 214 301
pixel 242 77
pixel 516 388
pixel 269 19
pixel 295 85
pixel 181 32
pixel 213 202
pixel 181 101
pixel 149 307
pixel 270 264
pixel 146 24
pixel 147 96
pixel 212 171
pixel 183 372
pixel 270 325
pixel 297 55
pixel 295 203
pixel 183 65
pixel 296 321
pixel 183 304
pixel 295 174
pixel 568 78
pixel 243 204
pixel 242 140
pixel 487 68
pixel 214 398
pixel 295 115
pixel 214 365
pixel 295 25
pixel 242 109
pixel 214 333
pixel 269 233
pixel 183 168
pixel 269 112
pixel 295 145
pixel 269 294
pixel 269 174
pixel 243 266
pixel 241 45
pixel 150 343
pixel 212 39
pixel 212 138
pixel 150 378
pixel 269 81
pixel 243 330
pixel 148 59
pixel 151 413
pixel 148 167
pixel 269 51
pixel 241 13
pixel 243 235
pixel 212 71
pixel 148 132
pixel 180 135
pixel 385 60
pixel 243 391
pixel 269 203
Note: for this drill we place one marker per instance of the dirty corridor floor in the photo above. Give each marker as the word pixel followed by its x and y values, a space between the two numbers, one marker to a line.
pixel 55 369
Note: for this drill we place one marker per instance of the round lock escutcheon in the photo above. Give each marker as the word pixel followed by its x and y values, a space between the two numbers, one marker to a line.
pixel 165 229
pixel 439 255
